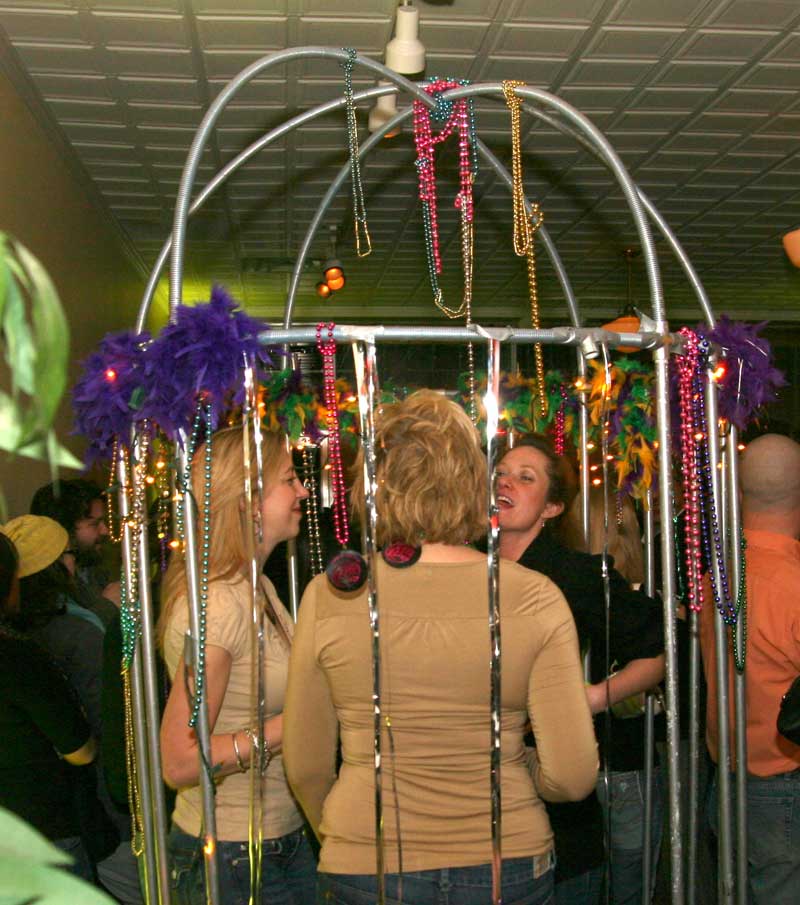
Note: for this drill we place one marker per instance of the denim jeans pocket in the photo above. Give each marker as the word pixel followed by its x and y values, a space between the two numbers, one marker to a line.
pixel 186 868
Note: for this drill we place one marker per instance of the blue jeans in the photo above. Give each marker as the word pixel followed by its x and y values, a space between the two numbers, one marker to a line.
pixel 288 870
pixel 525 881
pixel 773 836
pixel 627 832
pixel 81 865
pixel 582 889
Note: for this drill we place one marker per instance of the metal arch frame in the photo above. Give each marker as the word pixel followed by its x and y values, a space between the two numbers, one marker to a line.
pixel 579 127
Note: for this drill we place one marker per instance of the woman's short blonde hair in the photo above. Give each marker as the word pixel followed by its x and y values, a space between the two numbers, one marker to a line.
pixel 227 553
pixel 431 473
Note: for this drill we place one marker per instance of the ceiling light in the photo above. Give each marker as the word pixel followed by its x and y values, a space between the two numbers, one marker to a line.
pixel 333 274
pixel 323 289
pixel 791 244
pixel 405 53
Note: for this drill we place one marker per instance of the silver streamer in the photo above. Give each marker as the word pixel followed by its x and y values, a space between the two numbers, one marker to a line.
pixel 492 405
pixel 253 534
pixel 367 383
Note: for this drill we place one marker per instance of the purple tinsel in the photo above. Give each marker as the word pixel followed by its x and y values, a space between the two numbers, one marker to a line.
pixel 102 397
pixel 203 351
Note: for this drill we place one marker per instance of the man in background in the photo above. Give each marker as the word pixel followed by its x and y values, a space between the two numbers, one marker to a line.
pixel 769 476
pixel 77 505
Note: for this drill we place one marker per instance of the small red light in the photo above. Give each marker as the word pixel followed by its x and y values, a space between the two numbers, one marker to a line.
pixel 111 375
pixel 719 372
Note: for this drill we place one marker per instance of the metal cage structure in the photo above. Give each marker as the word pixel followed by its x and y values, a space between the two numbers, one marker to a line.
pixel 654 335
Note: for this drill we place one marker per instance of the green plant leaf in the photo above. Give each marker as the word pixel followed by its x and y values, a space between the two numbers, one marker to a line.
pixel 44 448
pixel 51 337
pixel 20 350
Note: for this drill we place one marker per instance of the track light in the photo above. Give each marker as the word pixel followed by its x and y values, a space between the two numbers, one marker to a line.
pixel 333 274
pixel 791 245
pixel 323 289
pixel 405 53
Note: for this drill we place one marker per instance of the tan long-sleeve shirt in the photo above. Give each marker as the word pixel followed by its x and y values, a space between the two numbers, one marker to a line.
pixel 435 695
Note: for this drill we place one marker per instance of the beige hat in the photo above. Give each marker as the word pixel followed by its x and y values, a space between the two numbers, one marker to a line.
pixel 39 541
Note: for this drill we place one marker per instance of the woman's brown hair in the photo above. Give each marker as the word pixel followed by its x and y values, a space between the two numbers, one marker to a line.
pixel 227 553
pixel 430 470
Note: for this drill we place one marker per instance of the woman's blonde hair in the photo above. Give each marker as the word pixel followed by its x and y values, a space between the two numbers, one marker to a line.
pixel 624 533
pixel 227 552
pixel 431 473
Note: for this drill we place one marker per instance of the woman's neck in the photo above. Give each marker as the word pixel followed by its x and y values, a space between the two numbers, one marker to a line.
pixel 449 553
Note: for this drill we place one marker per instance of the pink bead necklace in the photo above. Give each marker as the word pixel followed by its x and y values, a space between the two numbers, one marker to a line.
pixel 454 116
pixel 687 368
pixel 327 348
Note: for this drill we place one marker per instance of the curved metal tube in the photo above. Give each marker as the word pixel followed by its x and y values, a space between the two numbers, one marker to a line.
pixel 210 119
pixel 655 216
pixel 233 165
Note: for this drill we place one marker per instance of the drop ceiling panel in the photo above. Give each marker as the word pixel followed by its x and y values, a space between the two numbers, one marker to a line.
pixel 699 97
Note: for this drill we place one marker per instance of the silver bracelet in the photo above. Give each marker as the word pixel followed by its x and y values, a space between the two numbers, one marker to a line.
pixel 239 762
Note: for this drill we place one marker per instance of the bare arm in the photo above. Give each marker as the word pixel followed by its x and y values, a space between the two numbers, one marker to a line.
pixel 84 755
pixel 637 677
pixel 179 746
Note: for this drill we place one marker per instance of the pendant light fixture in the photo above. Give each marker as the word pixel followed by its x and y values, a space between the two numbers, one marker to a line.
pixel 405 53
pixel 333 278
pixel 791 245
pixel 627 321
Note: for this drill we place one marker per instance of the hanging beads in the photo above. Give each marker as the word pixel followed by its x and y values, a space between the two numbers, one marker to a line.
pixel 359 206
pixel 687 370
pixel 721 594
pixel 561 414
pixel 452 116
pixel 327 348
pixel 525 228
pixel 205 547
pixel 111 489
pixel 312 510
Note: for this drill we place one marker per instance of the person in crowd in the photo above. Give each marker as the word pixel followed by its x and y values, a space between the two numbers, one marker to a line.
pixel 78 506
pixel 435 683
pixel 769 486
pixel 616 527
pixel 73 636
pixel 531 482
pixel 44 736
pixel 288 865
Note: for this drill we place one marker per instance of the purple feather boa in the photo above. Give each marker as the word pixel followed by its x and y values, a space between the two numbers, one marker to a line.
pixel 103 398
pixel 202 352
pixel 750 382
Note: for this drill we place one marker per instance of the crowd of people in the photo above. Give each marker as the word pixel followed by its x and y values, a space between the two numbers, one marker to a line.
pixel 581 645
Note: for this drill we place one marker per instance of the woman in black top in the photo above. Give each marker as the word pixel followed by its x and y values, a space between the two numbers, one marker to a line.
pixel 531 491
pixel 42 728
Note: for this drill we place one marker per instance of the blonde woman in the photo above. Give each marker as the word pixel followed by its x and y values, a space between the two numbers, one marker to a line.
pixel 288 864
pixel 432 589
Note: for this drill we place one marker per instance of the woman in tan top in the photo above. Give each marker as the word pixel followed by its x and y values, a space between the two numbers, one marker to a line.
pixel 287 861
pixel 435 690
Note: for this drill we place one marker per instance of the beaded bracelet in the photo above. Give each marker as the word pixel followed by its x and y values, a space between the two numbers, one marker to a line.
pixel 239 762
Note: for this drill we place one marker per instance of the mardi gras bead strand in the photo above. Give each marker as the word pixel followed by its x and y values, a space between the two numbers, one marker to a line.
pixel 560 439
pixel 327 348
pixel 117 450
pixel 359 205
pixel 525 226
pixel 454 116
pixel 312 511
pixel 687 369
pixel 721 593
pixel 741 606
